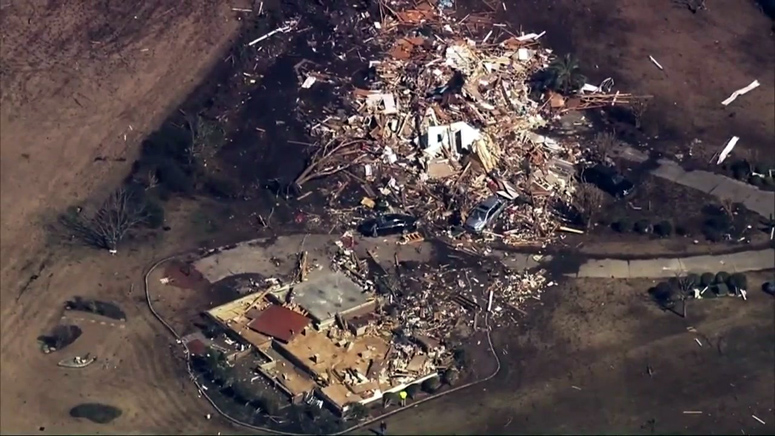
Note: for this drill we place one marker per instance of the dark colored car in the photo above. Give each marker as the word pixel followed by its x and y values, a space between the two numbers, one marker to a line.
pixel 609 180
pixel 388 224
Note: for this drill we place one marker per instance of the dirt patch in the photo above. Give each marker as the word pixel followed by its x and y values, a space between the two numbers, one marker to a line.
pixel 712 53
pixel 183 275
pixel 96 412
pixel 60 337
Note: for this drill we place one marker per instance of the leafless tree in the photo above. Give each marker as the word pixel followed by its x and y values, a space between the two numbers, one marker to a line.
pixel 205 136
pixel 604 144
pixel 588 200
pixel 153 179
pixel 728 206
pixel 638 108
pixel 109 224
pixel 686 284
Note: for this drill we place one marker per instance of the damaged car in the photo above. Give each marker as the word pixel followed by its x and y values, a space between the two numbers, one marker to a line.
pixel 388 224
pixel 485 213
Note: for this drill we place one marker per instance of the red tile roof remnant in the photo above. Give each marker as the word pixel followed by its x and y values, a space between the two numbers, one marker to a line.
pixel 280 323
pixel 197 347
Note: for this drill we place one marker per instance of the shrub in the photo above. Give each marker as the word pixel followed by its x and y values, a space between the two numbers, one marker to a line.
pixel 741 170
pixel 722 277
pixel 720 223
pixel 461 358
pixel 154 214
pixel 390 398
pixel 431 385
pixel 662 293
pixel 242 394
pixel 769 181
pixel 174 178
pixel 707 279
pixel 712 235
pixel 413 391
pixel 681 231
pixel 664 229
pixel 643 227
pixel 769 288
pixel 269 405
pixel 357 411
pixel 220 187
pixel 622 226
pixel 451 376
pixel 692 280
pixel 721 289
pixel 756 180
pixel 738 281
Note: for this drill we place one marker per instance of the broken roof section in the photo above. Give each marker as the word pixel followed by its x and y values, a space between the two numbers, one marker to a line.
pixel 326 293
pixel 279 323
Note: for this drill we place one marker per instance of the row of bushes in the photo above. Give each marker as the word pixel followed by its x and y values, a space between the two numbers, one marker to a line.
pixel 713 229
pixel 665 292
pixel 213 366
pixel 742 170
pixel 663 229
pixel 429 386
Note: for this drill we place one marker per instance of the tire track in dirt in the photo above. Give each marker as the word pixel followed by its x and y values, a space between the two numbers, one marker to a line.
pixel 152 362
pixel 74 77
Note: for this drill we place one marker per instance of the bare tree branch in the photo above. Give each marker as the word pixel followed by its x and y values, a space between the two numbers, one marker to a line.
pixel 638 108
pixel 604 145
pixel 109 224
pixel 588 200
pixel 206 137
pixel 322 162
pixel 728 206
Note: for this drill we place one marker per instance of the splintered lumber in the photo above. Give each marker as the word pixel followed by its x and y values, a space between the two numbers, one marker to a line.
pixel 303 266
pixel 466 302
pixel 593 101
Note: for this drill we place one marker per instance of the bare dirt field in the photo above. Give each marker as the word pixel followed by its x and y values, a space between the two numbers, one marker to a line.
pixel 705 55
pixel 82 81
pixel 582 366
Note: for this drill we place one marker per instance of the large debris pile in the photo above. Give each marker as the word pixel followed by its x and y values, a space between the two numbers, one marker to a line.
pixel 443 121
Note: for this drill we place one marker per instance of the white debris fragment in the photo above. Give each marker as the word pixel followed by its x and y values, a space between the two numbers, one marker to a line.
pixel 308 82
pixel 656 63
pixel 284 29
pixel 530 36
pixel 753 85
pixel 727 149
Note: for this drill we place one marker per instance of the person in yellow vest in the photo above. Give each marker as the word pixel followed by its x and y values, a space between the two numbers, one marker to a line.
pixel 402 395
